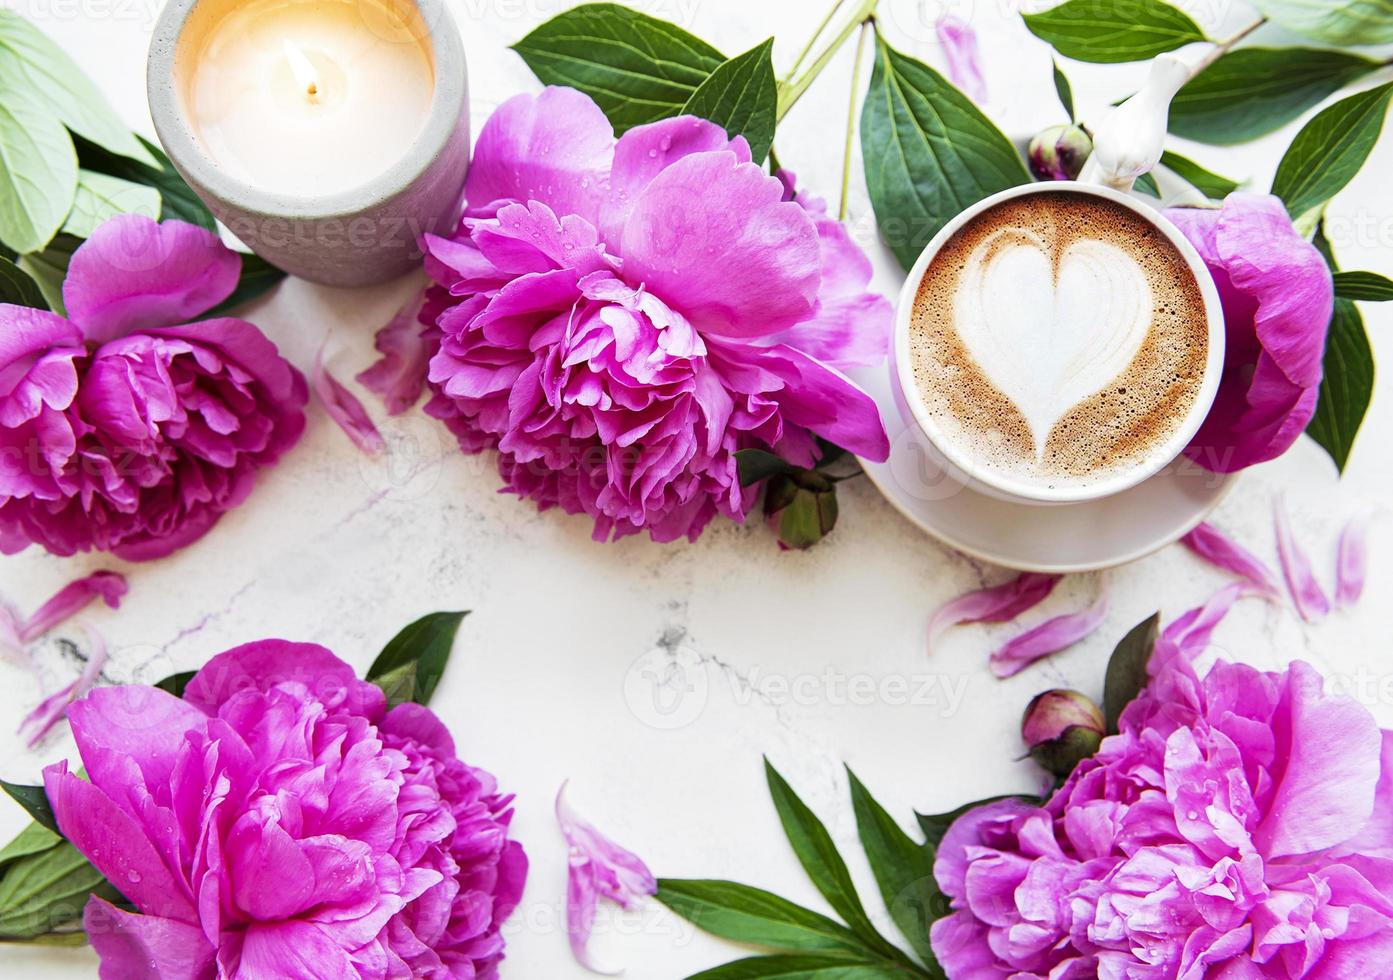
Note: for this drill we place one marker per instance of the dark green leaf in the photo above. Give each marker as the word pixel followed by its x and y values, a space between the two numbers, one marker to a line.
pixel 175 684
pixel 178 199
pixel 742 97
pixel 748 915
pixel 1330 149
pixel 637 68
pixel 800 968
pixel 1250 92
pixel 1147 185
pixel 818 855
pixel 47 890
pixel 257 277
pixel 411 665
pixel 1064 90
pixel 936 825
pixel 1114 32
pixel 18 287
pixel 1207 183
pixel 49 268
pixel 35 838
pixel 38 171
pixel 1367 286
pixel 1347 387
pixel 903 869
pixel 1126 674
pixel 929 152
pixel 35 803
pixel 755 465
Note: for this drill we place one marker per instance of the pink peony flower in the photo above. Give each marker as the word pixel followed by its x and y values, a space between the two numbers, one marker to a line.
pixel 281 822
pixel 1278 297
pixel 123 427
pixel 1238 826
pixel 618 319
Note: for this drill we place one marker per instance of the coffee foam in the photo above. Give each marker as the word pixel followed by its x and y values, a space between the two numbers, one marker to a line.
pixel 1079 406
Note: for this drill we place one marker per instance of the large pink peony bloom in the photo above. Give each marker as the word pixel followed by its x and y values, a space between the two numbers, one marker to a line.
pixel 281 822
pixel 123 427
pixel 622 317
pixel 1240 826
pixel 1278 296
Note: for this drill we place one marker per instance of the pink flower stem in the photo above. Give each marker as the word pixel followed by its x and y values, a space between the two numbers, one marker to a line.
pixel 791 92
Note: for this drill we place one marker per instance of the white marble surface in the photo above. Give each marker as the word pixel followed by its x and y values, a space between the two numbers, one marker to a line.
pixel 812 659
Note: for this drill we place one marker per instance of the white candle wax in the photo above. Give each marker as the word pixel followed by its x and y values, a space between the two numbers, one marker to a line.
pixel 305 97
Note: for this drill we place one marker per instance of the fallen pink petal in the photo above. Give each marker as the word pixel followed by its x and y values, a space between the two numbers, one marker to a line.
pixel 345 409
pixel 1311 600
pixel 399 376
pixel 1351 563
pixel 1217 548
pixel 54 708
pixel 959 43
pixel 1049 637
pixel 597 868
pixel 109 587
pixel 998 604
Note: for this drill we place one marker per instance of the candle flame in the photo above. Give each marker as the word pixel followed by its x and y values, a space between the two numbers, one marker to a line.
pixel 302 68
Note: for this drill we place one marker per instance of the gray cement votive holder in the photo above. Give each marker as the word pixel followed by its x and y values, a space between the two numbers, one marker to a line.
pixel 359 237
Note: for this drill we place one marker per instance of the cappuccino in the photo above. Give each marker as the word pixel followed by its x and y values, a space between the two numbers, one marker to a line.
pixel 1059 340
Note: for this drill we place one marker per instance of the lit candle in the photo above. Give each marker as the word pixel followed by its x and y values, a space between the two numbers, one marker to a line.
pixel 327 134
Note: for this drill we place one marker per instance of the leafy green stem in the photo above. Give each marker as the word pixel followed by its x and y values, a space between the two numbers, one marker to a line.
pixel 866 26
pixel 790 93
pixel 1223 47
pixel 808 48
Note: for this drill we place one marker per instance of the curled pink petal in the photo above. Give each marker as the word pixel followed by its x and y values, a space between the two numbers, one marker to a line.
pixel 1351 563
pixel 54 708
pixel 959 43
pixel 1217 548
pixel 399 376
pixel 1049 637
pixel 345 409
pixel 597 868
pixel 1311 601
pixel 999 604
pixel 110 587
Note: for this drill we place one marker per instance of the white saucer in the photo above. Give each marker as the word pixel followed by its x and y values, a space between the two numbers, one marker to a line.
pixel 1060 538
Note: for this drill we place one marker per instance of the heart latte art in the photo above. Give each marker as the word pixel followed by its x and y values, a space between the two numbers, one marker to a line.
pixel 1059 339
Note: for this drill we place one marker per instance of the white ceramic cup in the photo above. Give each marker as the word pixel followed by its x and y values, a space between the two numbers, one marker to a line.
pixel 957 458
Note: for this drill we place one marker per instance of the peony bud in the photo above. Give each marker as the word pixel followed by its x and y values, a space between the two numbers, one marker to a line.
pixel 1059 153
pixel 1062 728
pixel 801 507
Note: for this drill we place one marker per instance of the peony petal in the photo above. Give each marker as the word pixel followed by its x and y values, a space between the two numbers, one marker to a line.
pixel 597 868
pixel 1215 547
pixel 265 664
pixel 134 273
pixel 998 604
pixel 290 949
pixel 145 947
pixel 1351 563
pixel 959 44
pixel 137 722
pixel 54 708
pixel 345 409
pixel 399 376
pixel 110 587
pixel 1049 637
pixel 1311 601
pixel 714 238
pixel 555 147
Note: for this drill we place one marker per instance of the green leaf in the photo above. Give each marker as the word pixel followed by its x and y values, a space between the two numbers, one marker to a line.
pixel 824 865
pixel 637 68
pixel 936 825
pixel 49 268
pixel 1064 90
pixel 749 915
pixel 1126 674
pixel 742 97
pixel 903 869
pixel 755 465
pixel 411 665
pixel 18 287
pixel 33 839
pixel 178 199
pixel 1367 286
pixel 48 889
pixel 35 803
pixel 101 196
pixel 1146 183
pixel 1330 149
pixel 1206 182
pixel 258 276
pixel 1114 32
pixel 38 172
pixel 1253 91
pixel 36 71
pixel 176 684
pixel 1334 21
pixel 800 968
pixel 1347 387
pixel 929 152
